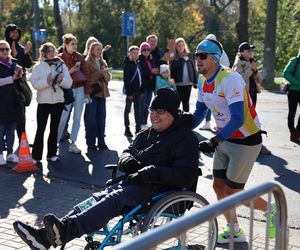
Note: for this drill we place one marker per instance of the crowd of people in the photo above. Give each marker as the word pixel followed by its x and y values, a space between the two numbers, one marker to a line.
pixel 165 151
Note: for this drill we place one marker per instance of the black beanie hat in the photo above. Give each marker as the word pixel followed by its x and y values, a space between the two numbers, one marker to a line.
pixel 167 99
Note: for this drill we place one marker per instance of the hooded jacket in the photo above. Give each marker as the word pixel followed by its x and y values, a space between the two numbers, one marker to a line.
pixel 170 157
pixel 23 60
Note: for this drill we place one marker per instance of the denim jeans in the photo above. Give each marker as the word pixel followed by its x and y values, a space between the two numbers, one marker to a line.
pixel 95 121
pixel 77 112
pixel 145 103
pixel 7 130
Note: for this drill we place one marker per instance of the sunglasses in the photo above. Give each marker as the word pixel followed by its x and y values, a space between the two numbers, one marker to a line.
pixel 158 111
pixel 203 55
pixel 4 49
pixel 145 49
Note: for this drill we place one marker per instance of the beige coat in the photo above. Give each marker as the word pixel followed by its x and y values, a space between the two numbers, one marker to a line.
pixel 244 69
pixel 94 75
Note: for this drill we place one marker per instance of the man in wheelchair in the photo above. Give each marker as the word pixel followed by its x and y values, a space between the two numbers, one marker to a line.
pixel 167 152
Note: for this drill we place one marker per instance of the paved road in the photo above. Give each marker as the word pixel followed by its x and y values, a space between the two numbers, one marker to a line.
pixel 86 170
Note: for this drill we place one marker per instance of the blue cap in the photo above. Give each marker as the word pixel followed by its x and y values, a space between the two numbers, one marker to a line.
pixel 213 48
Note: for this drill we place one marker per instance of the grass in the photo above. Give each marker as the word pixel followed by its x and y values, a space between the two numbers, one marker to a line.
pixel 117 74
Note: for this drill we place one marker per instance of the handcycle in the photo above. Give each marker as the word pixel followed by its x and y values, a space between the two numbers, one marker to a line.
pixel 156 211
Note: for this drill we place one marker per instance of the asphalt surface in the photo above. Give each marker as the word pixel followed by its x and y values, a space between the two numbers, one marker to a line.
pixel 86 170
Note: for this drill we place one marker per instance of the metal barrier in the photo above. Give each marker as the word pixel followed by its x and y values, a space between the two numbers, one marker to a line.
pixel 152 238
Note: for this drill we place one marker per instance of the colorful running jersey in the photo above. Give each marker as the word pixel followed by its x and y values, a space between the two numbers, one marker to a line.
pixel 227 88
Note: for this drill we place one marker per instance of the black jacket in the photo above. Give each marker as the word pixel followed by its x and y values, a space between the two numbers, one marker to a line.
pixel 170 157
pixel 23 60
pixel 176 67
pixel 10 107
pixel 131 78
pixel 157 54
pixel 149 78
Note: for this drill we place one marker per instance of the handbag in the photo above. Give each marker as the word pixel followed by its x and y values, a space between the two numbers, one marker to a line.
pixel 79 76
pixel 25 91
pixel 68 96
pixel 96 88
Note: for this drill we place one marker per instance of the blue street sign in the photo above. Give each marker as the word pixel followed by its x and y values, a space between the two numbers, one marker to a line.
pixel 39 35
pixel 128 24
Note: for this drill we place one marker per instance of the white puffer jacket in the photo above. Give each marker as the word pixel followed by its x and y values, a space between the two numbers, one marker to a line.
pixel 45 92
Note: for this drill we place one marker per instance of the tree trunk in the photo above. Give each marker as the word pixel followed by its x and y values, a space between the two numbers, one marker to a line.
pixel 242 25
pixel 270 43
pixel 58 21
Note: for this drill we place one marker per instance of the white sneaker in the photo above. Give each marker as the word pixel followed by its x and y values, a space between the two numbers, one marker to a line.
pixel 73 149
pixel 12 158
pixel 207 126
pixel 53 158
pixel 2 161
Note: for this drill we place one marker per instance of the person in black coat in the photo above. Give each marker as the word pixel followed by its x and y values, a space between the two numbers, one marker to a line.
pixel 133 88
pixel 21 53
pixel 183 71
pixel 166 153
pixel 10 101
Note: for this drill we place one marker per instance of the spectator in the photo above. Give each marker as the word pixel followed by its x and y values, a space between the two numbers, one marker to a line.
pixel 184 73
pixel 246 66
pixel 48 76
pixel 238 140
pixel 21 53
pixel 292 74
pixel 166 153
pixel 74 61
pixel 91 40
pixel 10 105
pixel 98 77
pixel 149 73
pixel 162 80
pixel 134 88
pixel 156 52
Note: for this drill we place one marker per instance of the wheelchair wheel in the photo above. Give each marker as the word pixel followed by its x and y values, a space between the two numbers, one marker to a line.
pixel 174 205
pixel 94 245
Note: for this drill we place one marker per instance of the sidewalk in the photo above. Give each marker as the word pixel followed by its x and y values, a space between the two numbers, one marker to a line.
pixel 29 197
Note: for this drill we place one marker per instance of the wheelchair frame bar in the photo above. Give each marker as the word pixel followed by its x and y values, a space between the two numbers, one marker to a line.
pixel 153 237
pixel 117 230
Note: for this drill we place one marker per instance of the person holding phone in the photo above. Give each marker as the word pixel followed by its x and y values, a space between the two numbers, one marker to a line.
pixel 74 61
pixel 10 101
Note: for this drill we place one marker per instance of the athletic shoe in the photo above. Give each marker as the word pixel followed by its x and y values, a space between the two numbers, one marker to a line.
pixel 272 221
pixel 12 158
pixel 206 126
pixel 224 236
pixel 35 238
pixel 2 161
pixel 54 158
pixel 55 230
pixel 73 149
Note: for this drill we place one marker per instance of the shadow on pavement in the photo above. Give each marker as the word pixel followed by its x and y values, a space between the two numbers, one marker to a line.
pixel 286 177
pixel 237 246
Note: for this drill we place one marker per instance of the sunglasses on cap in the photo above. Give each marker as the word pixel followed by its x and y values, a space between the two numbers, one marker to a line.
pixel 203 55
pixel 4 49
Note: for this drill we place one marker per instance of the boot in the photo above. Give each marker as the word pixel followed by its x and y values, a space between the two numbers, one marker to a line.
pixel 295 136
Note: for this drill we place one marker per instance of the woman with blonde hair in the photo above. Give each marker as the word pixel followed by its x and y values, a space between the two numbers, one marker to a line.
pixel 10 106
pixel 183 71
pixel 48 77
pixel 96 70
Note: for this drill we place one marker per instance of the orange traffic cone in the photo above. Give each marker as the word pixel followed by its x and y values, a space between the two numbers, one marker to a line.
pixel 25 163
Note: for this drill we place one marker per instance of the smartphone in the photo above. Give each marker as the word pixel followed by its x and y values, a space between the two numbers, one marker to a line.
pixel 77 64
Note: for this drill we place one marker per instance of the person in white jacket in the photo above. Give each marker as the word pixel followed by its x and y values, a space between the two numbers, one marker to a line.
pixel 48 77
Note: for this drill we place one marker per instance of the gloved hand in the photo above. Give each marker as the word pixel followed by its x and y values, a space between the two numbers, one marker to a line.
pixel 135 178
pixel 209 146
